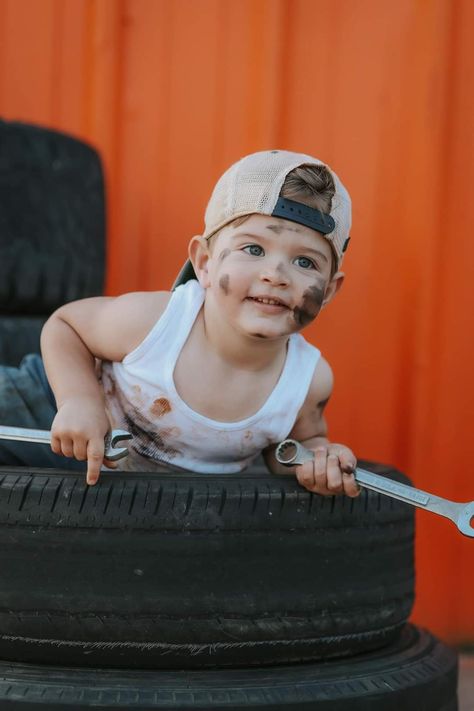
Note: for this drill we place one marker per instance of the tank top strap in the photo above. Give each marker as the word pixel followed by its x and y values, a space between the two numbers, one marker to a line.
pixel 174 325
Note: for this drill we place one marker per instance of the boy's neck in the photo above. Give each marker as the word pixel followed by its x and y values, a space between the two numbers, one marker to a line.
pixel 236 349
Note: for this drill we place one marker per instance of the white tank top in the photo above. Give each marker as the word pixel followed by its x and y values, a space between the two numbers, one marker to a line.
pixel 141 397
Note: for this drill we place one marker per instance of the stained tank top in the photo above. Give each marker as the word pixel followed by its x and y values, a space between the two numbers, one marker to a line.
pixel 141 397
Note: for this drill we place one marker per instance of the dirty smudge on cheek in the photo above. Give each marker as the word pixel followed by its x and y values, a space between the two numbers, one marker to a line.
pixel 225 253
pixel 224 283
pixel 309 308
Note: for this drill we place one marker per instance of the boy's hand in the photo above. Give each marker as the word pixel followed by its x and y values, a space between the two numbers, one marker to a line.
pixel 78 431
pixel 330 472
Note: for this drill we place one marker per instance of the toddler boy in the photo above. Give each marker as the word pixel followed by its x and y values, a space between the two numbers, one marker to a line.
pixel 212 374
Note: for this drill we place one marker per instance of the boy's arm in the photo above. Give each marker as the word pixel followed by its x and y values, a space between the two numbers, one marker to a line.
pixel 330 471
pixel 73 337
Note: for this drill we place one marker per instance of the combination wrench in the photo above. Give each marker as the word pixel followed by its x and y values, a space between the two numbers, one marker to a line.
pixel 24 434
pixel 291 452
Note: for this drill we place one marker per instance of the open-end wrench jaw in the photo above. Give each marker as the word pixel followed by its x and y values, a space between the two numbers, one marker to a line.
pixel 112 452
pixel 466 519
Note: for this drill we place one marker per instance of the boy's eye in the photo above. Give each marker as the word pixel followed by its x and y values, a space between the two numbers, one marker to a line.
pixel 305 262
pixel 254 249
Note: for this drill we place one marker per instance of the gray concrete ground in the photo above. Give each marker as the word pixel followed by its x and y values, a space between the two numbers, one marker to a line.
pixel 466 682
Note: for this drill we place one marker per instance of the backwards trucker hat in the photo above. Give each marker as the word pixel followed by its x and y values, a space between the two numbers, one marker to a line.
pixel 253 185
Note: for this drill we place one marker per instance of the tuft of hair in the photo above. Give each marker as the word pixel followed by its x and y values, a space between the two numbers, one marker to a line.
pixel 312 185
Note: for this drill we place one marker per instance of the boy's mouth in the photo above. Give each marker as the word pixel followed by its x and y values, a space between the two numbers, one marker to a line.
pixel 268 301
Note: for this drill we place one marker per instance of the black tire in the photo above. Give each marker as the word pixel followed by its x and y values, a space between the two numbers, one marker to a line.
pixel 415 673
pixel 52 220
pixel 19 335
pixel 183 570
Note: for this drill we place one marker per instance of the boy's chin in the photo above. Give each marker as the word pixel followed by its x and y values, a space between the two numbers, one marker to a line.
pixel 265 333
pixel 270 329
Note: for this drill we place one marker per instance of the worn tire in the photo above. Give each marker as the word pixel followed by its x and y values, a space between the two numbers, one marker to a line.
pixel 19 335
pixel 52 219
pixel 183 570
pixel 416 672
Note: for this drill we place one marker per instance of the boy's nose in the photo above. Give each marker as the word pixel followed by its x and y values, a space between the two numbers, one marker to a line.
pixel 275 273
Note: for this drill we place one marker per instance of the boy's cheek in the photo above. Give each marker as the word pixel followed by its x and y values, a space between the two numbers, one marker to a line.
pixel 224 284
pixel 310 305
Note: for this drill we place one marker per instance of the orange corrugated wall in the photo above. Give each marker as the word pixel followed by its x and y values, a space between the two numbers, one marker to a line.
pixel 173 91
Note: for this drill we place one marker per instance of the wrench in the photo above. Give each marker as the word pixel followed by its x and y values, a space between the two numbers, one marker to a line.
pixel 291 452
pixel 44 437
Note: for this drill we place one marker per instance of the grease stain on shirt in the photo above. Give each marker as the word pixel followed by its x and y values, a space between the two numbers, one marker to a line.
pixel 161 406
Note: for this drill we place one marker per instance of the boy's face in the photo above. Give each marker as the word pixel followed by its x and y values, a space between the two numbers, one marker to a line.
pixel 268 276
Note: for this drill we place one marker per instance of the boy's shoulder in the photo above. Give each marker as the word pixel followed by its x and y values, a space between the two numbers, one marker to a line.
pixel 145 307
pixel 137 313
pixel 156 300
pixel 149 305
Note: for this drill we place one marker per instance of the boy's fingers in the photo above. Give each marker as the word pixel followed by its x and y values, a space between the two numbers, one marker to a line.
pixel 348 462
pixel 110 464
pixel 95 457
pixel 305 474
pixel 80 450
pixel 334 474
pixel 348 466
pixel 67 447
pixel 329 473
pixel 56 445
pixel 351 487
pixel 320 468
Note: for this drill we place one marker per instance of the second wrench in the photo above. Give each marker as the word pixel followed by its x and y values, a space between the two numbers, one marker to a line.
pixel 291 452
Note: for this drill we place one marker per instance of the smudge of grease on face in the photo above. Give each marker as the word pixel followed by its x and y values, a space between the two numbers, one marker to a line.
pixel 225 253
pixel 310 307
pixel 224 283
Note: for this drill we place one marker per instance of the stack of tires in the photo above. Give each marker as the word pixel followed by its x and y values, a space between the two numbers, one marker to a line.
pixel 52 230
pixel 199 592
pixel 209 592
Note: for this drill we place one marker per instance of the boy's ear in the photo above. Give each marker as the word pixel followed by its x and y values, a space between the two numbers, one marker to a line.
pixel 198 252
pixel 333 287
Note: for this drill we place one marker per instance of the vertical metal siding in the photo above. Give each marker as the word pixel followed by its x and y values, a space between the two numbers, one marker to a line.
pixel 173 91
